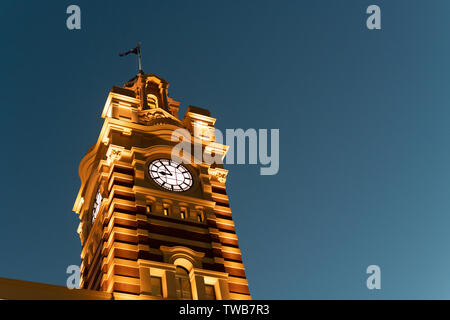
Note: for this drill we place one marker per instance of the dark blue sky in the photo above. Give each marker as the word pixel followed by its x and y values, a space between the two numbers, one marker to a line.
pixel 364 132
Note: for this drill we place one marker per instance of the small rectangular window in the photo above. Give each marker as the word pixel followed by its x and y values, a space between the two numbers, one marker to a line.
pixel 156 286
pixel 166 211
pixel 183 214
pixel 199 217
pixel 149 208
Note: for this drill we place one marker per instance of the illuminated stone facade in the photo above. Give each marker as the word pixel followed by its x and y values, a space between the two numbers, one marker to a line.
pixel 140 239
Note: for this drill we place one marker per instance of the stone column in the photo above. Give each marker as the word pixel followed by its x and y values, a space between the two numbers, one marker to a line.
pixel 144 275
pixel 171 285
pixel 198 292
pixel 224 291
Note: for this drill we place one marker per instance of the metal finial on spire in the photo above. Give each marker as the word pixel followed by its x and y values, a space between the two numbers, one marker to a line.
pixel 139 57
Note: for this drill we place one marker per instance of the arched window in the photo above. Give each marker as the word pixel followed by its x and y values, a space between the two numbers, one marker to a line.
pixel 184 290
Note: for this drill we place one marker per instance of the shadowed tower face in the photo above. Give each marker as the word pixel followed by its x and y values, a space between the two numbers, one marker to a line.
pixel 153 226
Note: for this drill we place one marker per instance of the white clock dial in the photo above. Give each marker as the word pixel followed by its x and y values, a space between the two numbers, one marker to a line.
pixel 96 207
pixel 170 175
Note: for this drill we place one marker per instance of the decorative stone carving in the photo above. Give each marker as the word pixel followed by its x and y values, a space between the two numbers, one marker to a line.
pixel 105 141
pixel 219 173
pixel 156 116
pixel 113 154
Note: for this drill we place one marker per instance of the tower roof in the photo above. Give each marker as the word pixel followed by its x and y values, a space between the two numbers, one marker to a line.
pixel 130 83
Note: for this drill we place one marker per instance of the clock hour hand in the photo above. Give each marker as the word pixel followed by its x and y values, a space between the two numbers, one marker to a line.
pixel 168 171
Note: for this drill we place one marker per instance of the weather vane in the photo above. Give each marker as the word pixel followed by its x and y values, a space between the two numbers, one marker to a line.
pixel 136 51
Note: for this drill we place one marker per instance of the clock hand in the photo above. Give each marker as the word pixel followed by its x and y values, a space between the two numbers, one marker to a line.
pixel 168 171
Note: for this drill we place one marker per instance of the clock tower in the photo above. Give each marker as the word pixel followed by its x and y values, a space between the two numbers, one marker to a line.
pixel 152 226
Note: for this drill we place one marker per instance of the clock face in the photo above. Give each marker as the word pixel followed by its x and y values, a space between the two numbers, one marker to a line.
pixel 96 207
pixel 170 175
